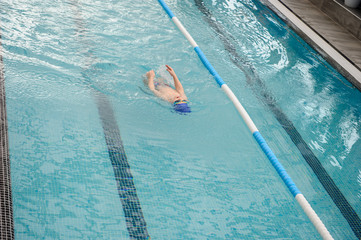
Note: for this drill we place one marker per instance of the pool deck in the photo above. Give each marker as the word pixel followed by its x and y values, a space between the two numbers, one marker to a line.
pixel 330 27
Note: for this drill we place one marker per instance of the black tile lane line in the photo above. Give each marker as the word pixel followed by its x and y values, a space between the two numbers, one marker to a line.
pixel 134 218
pixel 6 205
pixel 266 97
pixel 135 222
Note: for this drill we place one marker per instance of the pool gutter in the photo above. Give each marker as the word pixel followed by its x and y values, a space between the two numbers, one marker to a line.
pixel 337 59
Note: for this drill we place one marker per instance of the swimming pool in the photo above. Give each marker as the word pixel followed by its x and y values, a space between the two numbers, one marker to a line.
pixel 73 67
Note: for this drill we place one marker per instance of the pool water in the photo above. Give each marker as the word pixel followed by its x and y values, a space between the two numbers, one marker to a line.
pixel 197 176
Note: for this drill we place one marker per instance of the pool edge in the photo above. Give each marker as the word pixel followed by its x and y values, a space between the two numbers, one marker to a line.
pixel 333 55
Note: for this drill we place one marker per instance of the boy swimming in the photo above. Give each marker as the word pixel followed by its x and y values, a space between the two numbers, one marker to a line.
pixel 165 92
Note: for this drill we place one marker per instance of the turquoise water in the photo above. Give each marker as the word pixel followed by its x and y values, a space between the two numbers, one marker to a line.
pixel 198 176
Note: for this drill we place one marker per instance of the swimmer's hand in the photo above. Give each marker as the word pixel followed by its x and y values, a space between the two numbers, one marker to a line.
pixel 170 70
pixel 150 74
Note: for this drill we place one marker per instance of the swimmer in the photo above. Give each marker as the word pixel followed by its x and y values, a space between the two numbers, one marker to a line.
pixel 162 90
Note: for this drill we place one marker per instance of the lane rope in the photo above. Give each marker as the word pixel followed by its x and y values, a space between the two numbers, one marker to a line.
pixel 316 221
pixel 259 88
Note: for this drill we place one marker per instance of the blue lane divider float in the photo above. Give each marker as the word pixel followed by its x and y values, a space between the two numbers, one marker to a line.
pixel 276 164
pixel 208 65
pixel 316 221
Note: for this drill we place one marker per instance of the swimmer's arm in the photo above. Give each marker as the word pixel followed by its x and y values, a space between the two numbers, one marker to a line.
pixel 151 76
pixel 177 84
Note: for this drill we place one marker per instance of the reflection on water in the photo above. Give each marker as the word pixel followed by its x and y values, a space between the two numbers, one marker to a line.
pixel 197 176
